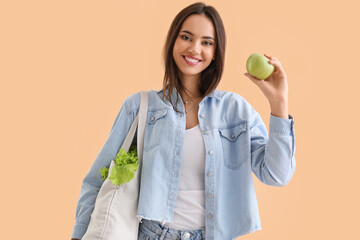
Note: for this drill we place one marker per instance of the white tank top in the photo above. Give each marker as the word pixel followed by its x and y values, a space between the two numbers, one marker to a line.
pixel 189 213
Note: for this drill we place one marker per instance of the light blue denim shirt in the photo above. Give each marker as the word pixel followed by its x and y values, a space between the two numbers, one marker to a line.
pixel 236 142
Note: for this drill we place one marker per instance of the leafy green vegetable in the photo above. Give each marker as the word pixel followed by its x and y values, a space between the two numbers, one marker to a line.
pixel 104 173
pixel 126 164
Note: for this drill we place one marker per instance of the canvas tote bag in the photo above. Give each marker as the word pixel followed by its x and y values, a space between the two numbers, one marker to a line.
pixel 114 215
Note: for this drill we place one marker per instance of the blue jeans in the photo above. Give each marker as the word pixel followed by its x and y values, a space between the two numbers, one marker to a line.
pixel 153 230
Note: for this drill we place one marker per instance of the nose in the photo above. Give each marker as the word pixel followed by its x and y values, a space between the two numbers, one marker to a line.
pixel 196 48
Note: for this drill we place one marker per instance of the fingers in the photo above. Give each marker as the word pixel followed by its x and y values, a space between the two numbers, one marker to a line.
pixel 274 61
pixel 248 75
pixel 268 56
pixel 252 78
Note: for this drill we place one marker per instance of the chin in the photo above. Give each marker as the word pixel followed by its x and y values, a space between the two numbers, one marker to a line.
pixel 190 73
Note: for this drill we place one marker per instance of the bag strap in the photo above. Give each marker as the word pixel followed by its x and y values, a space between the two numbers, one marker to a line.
pixel 142 123
pixel 139 122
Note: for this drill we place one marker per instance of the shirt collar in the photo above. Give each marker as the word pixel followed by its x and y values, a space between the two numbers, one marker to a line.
pixel 214 94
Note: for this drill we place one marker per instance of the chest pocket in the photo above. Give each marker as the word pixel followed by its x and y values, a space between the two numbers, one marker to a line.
pixel 155 125
pixel 236 145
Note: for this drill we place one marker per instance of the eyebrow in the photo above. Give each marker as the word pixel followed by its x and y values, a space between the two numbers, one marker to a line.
pixel 206 37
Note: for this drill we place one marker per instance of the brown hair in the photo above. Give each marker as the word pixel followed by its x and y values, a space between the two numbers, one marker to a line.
pixel 210 77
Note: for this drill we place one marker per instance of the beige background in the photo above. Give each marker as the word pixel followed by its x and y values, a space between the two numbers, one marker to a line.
pixel 67 66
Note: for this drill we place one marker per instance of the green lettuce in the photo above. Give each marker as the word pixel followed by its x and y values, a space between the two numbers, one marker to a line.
pixel 126 164
pixel 104 173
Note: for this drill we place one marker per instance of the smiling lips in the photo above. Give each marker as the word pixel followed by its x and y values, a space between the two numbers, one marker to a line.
pixel 191 60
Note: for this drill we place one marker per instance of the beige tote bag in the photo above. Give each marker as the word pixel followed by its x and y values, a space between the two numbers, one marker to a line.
pixel 114 215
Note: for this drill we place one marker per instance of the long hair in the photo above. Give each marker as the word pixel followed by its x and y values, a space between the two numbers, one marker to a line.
pixel 210 77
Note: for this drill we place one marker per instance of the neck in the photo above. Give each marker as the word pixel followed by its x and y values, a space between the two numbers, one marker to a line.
pixel 191 87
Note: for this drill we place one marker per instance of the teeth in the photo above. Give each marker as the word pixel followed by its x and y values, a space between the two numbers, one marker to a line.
pixel 191 60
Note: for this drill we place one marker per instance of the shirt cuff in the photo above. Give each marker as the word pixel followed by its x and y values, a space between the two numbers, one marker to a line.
pixel 281 126
pixel 78 231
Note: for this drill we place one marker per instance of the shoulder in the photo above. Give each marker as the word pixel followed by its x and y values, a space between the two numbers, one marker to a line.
pixel 236 105
pixel 132 102
pixel 232 99
pixel 228 96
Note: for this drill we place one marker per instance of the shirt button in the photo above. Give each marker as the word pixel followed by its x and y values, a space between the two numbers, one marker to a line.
pixel 211 152
pixel 210 174
pixel 233 136
pixel 187 235
pixel 153 118
pixel 202 115
pixel 209 195
pixel 210 216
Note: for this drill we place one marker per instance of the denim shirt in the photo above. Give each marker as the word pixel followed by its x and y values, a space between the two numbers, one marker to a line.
pixel 236 144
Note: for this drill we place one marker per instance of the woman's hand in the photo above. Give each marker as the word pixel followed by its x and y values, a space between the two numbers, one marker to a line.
pixel 275 88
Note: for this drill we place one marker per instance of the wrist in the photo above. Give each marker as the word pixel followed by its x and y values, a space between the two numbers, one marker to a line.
pixel 279 108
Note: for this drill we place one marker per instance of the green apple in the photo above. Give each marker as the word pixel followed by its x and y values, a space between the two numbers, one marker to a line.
pixel 257 65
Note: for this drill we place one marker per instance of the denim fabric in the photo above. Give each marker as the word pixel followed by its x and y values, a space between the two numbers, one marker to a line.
pixel 237 144
pixel 153 230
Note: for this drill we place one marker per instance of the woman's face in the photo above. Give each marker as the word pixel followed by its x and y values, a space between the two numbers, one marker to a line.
pixel 194 47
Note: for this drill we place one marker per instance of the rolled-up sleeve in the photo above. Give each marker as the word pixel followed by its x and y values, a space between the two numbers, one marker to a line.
pixel 273 154
pixel 92 181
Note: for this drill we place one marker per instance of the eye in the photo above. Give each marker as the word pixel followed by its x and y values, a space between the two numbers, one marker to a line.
pixel 185 37
pixel 208 43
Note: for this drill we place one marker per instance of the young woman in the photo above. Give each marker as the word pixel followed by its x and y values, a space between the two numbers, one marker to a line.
pixel 201 145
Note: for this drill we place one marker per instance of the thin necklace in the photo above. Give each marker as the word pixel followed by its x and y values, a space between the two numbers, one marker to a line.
pixel 186 102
